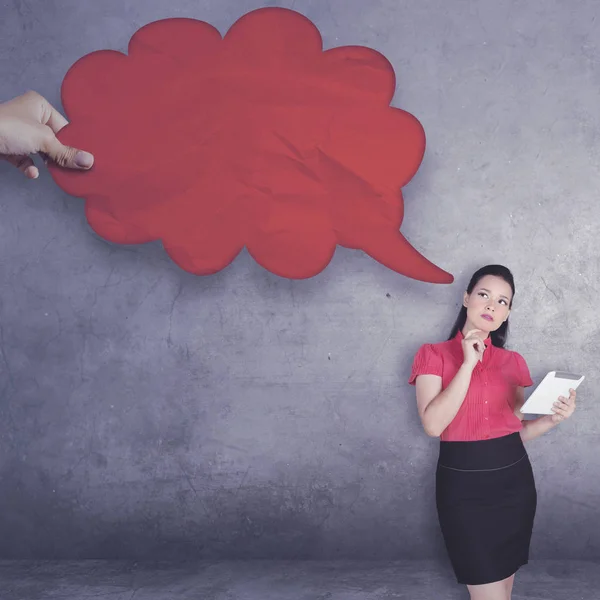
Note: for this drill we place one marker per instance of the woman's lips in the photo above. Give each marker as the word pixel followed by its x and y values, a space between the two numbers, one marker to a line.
pixel 487 317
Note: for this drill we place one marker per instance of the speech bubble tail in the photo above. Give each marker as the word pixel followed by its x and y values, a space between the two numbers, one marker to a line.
pixel 392 250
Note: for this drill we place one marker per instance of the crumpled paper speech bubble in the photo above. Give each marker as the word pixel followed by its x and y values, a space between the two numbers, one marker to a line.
pixel 258 139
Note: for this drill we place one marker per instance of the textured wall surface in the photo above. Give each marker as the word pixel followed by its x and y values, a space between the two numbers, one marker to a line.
pixel 146 412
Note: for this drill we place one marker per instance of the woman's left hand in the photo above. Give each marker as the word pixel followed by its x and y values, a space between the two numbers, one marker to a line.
pixel 564 407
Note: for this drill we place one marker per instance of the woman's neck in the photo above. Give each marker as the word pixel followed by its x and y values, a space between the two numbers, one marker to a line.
pixel 469 326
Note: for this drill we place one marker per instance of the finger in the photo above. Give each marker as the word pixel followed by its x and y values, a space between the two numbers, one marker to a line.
pixel 24 163
pixel 65 156
pixel 33 103
pixel 48 114
pixel 55 119
pixel 561 410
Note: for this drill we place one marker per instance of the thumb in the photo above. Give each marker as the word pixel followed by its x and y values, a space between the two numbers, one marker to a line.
pixel 65 156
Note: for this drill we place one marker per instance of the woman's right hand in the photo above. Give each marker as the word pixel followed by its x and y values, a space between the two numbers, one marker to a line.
pixel 473 347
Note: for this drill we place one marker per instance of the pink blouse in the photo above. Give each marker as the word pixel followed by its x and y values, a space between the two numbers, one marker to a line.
pixel 488 409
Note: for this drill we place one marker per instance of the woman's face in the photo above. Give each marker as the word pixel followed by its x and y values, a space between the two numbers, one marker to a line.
pixel 488 305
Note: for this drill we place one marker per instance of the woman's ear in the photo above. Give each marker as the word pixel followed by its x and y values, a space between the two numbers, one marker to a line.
pixel 465 300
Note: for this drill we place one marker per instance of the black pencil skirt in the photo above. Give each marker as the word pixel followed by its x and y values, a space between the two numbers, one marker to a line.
pixel 486 502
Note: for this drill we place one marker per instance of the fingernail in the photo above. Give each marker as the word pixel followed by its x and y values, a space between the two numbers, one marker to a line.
pixel 84 159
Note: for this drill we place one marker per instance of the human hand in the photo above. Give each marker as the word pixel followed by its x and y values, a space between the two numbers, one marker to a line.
pixel 28 125
pixel 564 407
pixel 473 347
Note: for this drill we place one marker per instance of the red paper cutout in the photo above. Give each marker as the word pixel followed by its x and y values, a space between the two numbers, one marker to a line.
pixel 258 139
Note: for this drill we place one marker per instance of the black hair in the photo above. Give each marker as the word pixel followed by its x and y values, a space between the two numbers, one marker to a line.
pixel 499 336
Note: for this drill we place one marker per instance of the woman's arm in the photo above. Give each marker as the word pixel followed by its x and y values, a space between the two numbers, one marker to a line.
pixel 536 427
pixel 437 408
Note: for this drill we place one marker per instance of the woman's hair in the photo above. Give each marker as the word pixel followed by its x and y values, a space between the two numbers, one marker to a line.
pixel 499 336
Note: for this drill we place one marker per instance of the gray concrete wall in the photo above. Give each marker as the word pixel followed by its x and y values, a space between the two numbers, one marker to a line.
pixel 147 412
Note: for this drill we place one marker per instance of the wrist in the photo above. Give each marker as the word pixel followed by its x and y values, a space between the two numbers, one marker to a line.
pixel 467 366
pixel 549 420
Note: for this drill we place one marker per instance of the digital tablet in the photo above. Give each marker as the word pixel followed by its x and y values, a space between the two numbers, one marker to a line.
pixel 555 384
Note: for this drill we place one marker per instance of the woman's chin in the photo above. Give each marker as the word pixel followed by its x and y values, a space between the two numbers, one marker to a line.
pixel 487 326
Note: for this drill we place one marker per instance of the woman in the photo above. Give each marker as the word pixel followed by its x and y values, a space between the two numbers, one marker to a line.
pixel 469 393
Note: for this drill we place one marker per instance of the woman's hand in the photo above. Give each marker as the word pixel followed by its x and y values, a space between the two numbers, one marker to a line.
pixel 28 125
pixel 473 347
pixel 564 407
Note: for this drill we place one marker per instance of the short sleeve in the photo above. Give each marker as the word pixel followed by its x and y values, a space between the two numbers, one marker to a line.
pixel 522 371
pixel 427 361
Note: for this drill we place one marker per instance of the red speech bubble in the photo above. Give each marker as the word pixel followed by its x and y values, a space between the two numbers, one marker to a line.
pixel 258 139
